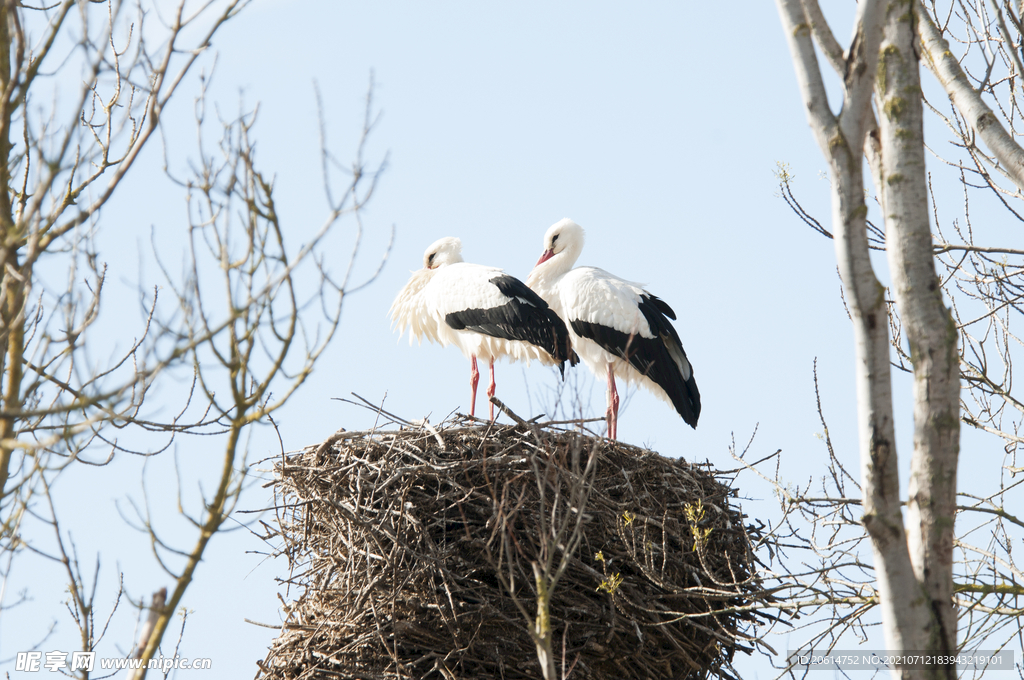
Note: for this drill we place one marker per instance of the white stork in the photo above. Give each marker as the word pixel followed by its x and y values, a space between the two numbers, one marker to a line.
pixel 481 310
pixel 617 327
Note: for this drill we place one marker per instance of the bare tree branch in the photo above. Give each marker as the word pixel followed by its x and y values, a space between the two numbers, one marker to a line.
pixel 976 113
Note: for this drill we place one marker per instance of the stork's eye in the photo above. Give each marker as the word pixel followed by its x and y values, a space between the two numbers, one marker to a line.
pixel 553 239
pixel 430 260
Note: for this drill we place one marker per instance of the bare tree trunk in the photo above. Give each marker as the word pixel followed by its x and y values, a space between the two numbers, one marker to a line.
pixel 542 626
pixel 915 573
pixel 931 333
pixel 906 615
pixel 11 290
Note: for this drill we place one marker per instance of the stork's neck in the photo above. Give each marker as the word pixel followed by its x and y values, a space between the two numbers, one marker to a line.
pixel 547 273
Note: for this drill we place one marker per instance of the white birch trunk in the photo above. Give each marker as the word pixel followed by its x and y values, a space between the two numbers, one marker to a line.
pixel 931 333
pixel 907 614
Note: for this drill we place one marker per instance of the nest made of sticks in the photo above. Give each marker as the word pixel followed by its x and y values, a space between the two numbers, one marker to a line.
pixel 419 553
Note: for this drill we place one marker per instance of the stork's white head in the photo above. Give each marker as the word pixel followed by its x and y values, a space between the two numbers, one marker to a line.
pixel 564 240
pixel 447 250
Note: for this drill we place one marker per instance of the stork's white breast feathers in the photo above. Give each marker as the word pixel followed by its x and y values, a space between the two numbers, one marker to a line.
pixel 409 310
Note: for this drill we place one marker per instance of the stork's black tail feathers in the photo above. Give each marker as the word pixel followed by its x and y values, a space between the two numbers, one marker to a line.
pixel 661 358
pixel 679 384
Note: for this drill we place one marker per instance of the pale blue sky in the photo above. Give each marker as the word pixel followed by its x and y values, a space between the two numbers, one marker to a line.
pixel 657 128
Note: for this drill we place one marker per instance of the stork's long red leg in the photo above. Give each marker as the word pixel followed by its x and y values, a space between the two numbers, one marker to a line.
pixel 474 378
pixel 613 404
pixel 490 390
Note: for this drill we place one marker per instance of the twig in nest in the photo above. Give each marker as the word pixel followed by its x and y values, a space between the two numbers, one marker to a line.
pixel 440 442
pixel 507 411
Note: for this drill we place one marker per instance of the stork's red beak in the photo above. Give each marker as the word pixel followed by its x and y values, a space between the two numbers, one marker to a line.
pixel 545 256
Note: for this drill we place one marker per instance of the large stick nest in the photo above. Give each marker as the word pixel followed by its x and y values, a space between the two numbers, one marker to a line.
pixel 416 552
